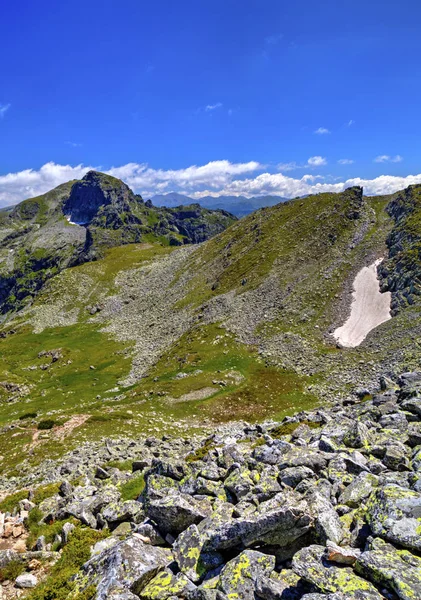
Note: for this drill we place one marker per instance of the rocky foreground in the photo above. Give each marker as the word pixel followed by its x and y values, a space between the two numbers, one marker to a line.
pixel 325 505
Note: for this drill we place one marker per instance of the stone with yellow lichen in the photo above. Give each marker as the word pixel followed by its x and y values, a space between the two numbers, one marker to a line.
pixel 191 559
pixel 239 576
pixel 176 511
pixel 164 585
pixel 311 564
pixel 397 570
pixel 394 513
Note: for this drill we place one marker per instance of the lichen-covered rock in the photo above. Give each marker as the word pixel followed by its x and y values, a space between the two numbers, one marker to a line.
pixel 285 585
pixel 239 482
pixel 239 576
pixel 117 512
pixel 130 564
pixel 394 513
pixel 191 558
pixel 357 436
pixel 175 512
pixel 165 585
pixel 277 522
pixel 311 564
pixel 397 570
pixel 327 522
pixel 358 490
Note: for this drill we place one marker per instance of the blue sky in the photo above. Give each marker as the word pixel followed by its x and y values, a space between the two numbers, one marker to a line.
pixel 280 91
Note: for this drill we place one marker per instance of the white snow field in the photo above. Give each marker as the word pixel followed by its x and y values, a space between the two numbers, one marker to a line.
pixel 369 308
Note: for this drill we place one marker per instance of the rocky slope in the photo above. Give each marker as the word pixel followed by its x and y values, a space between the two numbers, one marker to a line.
pixel 325 505
pixel 76 221
pixel 154 336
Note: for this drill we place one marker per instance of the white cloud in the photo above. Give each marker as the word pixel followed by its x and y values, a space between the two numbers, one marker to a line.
pixel 214 178
pixel 291 166
pixel 322 131
pixel 346 161
pixel 317 161
pixel 73 144
pixel 351 122
pixel 3 109
pixel 211 107
pixel 384 158
pixel 140 177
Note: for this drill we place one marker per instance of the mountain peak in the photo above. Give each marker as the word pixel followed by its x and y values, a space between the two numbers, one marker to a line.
pixel 95 190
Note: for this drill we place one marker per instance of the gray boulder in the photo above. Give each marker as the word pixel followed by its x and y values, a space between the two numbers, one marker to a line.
pixel 394 514
pixel 397 570
pixel 278 522
pixel 239 576
pixel 310 564
pixel 130 565
pixel 175 512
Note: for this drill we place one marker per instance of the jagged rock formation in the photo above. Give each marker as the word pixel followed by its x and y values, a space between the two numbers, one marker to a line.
pixel 42 236
pixel 323 506
pixel 401 272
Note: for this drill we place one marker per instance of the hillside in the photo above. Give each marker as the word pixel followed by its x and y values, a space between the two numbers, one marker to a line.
pixel 164 338
pixel 76 221
pixel 240 206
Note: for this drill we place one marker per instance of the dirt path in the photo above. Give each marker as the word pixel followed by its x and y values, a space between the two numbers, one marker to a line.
pixel 369 308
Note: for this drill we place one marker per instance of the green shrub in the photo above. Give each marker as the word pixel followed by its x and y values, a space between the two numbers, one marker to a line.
pixel 121 465
pixel 289 428
pixel 45 491
pixel 12 570
pixel 59 584
pixel 201 452
pixel 46 424
pixel 28 415
pixel 9 503
pixel 132 488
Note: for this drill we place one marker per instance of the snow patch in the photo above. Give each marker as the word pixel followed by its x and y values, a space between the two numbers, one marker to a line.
pixel 369 309
pixel 68 217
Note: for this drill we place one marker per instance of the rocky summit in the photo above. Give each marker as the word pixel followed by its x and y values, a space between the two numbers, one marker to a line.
pixel 325 504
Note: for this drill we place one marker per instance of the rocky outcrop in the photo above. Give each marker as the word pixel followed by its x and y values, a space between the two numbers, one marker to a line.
pixel 327 511
pixel 401 271
pixel 95 192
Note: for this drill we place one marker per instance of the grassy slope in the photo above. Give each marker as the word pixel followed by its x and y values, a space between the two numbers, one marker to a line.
pixel 243 387
pixel 310 248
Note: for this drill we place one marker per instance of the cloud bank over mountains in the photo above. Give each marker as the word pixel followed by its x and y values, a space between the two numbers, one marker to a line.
pixel 215 178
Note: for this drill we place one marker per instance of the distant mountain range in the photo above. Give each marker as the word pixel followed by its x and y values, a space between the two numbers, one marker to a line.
pixel 237 205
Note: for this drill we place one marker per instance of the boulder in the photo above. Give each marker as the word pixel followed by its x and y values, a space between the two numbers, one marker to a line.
pixel 117 512
pixel 394 514
pixel 277 522
pixel 175 512
pixel 396 570
pixel 239 576
pixel 358 490
pixel 190 556
pixel 292 476
pixel 311 564
pixel 326 520
pixel 129 564
pixel 166 585
pixel 26 580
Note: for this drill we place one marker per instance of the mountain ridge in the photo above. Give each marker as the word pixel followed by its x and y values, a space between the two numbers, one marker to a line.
pixel 240 206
